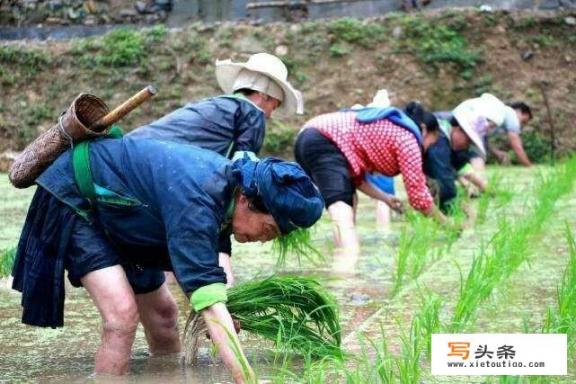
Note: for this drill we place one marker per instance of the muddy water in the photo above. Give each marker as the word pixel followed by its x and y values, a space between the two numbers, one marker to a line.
pixel 66 355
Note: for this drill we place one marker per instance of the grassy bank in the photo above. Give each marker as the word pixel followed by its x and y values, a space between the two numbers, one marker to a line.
pixel 438 58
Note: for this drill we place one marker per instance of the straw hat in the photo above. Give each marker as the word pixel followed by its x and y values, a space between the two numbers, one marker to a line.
pixel 380 100
pixel 492 108
pixel 469 121
pixel 263 73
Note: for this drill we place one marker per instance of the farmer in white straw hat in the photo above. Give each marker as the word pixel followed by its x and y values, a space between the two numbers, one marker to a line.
pixel 483 114
pixel 233 124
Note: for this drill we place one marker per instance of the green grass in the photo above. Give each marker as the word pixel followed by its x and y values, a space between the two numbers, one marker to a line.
pixel 121 47
pixel 355 31
pixel 436 44
pixel 26 61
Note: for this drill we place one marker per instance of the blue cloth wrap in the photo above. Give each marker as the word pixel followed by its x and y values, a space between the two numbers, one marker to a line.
pixel 383 183
pixel 371 114
pixel 285 189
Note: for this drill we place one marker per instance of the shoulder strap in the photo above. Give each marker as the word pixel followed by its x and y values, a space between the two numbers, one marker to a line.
pixel 82 172
pixel 81 165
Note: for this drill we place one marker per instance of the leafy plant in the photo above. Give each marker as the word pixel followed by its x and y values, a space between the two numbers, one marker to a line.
pixel 355 31
pixel 120 48
pixel 25 61
pixel 435 43
pixel 537 146
pixel 279 137
pixel 339 50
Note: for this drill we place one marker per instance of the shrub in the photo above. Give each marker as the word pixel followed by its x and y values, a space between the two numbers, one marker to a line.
pixel 356 32
pixel 119 48
pixel 537 146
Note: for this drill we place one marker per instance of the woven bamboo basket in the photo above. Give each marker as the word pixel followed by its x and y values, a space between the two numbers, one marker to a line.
pixel 87 117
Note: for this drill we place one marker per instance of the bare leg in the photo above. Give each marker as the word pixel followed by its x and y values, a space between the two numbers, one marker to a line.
pixel 345 237
pixel 479 166
pixel 170 278
pixel 383 213
pixel 159 316
pixel 114 298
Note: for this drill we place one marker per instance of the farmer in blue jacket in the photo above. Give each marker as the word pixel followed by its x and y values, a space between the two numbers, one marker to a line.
pixel 234 122
pixel 113 206
pixel 231 124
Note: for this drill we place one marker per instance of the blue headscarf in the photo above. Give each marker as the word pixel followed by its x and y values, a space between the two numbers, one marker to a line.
pixel 284 188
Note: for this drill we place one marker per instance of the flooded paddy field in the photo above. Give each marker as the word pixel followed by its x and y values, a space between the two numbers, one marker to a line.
pixel 415 270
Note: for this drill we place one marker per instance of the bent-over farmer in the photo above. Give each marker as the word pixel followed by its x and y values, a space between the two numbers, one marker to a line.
pixel 338 149
pixel 232 124
pixel 113 206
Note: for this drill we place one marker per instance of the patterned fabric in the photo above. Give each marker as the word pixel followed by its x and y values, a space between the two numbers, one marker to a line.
pixel 381 147
pixel 285 189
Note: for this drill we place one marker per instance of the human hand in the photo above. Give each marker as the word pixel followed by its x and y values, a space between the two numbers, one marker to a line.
pixel 504 158
pixel 396 204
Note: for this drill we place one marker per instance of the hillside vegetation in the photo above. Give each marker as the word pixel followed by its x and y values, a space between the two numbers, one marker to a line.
pixel 438 58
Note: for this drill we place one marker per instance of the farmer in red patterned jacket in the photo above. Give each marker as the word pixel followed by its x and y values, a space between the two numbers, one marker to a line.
pixel 338 149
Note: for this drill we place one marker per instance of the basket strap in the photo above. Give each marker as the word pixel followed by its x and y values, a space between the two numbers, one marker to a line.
pixel 82 172
pixel 81 165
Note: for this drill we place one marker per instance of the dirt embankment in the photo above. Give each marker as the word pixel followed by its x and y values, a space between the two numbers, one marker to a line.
pixel 438 58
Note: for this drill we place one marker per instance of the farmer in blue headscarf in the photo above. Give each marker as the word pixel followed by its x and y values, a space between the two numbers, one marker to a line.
pixel 113 206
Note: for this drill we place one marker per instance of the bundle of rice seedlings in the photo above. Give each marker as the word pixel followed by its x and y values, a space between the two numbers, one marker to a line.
pixel 296 313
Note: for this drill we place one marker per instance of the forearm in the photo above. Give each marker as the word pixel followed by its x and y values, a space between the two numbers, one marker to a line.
pixel 476 180
pixel 221 329
pixel 225 262
pixel 522 156
pixel 393 202
pixel 436 214
pixel 374 193
pixel 518 148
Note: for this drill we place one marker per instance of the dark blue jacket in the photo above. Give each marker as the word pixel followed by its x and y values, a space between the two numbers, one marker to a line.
pixel 176 197
pixel 442 164
pixel 223 124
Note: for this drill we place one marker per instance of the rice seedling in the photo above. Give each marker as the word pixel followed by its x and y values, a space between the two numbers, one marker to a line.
pixel 429 319
pixel 497 196
pixel 562 319
pixel 298 243
pixel 408 363
pixel 6 261
pixel 421 242
pixel 510 246
pixel 296 313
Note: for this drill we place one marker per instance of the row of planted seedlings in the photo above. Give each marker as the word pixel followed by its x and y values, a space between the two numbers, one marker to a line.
pixel 422 242
pixel 559 318
pixel 507 253
pixel 377 363
pixel 510 246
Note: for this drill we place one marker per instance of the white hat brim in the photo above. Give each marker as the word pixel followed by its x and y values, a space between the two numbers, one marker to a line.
pixel 466 121
pixel 227 72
